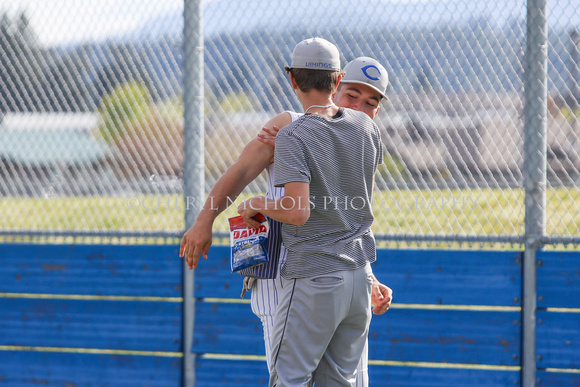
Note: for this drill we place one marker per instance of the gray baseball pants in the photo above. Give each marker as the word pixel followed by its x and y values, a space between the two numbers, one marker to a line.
pixel 320 329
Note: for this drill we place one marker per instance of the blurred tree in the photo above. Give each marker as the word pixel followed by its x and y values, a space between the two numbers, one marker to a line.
pixel 22 67
pixel 235 103
pixel 147 137
pixel 123 110
pixel 70 79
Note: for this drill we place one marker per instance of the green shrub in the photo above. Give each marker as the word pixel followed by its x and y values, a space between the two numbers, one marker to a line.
pixel 122 110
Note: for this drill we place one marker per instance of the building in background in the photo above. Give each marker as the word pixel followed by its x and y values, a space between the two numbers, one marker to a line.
pixel 48 154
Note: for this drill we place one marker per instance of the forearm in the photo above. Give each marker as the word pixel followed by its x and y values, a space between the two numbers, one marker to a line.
pixel 223 194
pixel 285 210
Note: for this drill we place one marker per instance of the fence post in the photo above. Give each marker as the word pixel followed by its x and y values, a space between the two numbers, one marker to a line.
pixel 535 149
pixel 193 162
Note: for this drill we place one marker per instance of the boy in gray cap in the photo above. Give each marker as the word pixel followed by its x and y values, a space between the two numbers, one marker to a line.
pixel 326 161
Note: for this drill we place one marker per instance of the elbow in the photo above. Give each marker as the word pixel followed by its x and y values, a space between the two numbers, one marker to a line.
pixel 299 217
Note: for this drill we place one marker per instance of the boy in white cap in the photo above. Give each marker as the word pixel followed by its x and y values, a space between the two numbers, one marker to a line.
pixel 326 161
pixel 362 87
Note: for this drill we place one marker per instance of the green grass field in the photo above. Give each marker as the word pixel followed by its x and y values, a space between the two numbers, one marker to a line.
pixel 471 212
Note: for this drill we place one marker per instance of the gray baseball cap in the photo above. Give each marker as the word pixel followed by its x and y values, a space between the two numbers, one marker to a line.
pixel 315 54
pixel 367 71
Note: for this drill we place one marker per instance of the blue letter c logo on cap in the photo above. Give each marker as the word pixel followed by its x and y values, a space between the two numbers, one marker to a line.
pixel 366 69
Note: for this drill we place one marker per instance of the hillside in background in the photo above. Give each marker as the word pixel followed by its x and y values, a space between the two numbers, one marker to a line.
pixel 465 48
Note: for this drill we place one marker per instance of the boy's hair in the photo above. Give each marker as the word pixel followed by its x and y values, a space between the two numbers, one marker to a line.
pixel 340 85
pixel 308 79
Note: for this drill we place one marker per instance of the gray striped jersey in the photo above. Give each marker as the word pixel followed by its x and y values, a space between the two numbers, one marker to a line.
pixel 338 157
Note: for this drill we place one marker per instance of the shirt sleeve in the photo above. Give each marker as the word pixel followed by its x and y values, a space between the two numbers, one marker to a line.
pixel 380 149
pixel 290 161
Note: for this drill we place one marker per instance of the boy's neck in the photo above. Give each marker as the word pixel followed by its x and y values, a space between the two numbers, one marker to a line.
pixel 318 102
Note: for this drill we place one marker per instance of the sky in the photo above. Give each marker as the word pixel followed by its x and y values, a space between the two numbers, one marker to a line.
pixel 63 22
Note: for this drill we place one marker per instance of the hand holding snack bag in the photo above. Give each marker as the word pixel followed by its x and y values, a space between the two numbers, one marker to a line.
pixel 248 246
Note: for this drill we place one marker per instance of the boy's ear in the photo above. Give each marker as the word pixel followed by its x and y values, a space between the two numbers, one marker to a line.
pixel 292 80
pixel 338 81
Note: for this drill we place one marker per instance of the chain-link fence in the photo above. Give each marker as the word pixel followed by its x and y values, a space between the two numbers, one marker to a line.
pixel 91 97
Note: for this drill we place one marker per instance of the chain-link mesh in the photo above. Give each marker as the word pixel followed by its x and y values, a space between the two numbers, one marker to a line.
pixel 92 116
pixel 91 136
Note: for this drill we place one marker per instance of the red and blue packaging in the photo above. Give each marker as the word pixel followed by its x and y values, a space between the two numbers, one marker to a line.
pixel 248 246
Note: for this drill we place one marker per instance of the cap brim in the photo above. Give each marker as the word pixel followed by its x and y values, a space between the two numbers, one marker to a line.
pixel 366 84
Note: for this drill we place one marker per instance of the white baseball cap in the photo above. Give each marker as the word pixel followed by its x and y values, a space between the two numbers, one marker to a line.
pixel 315 54
pixel 367 71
